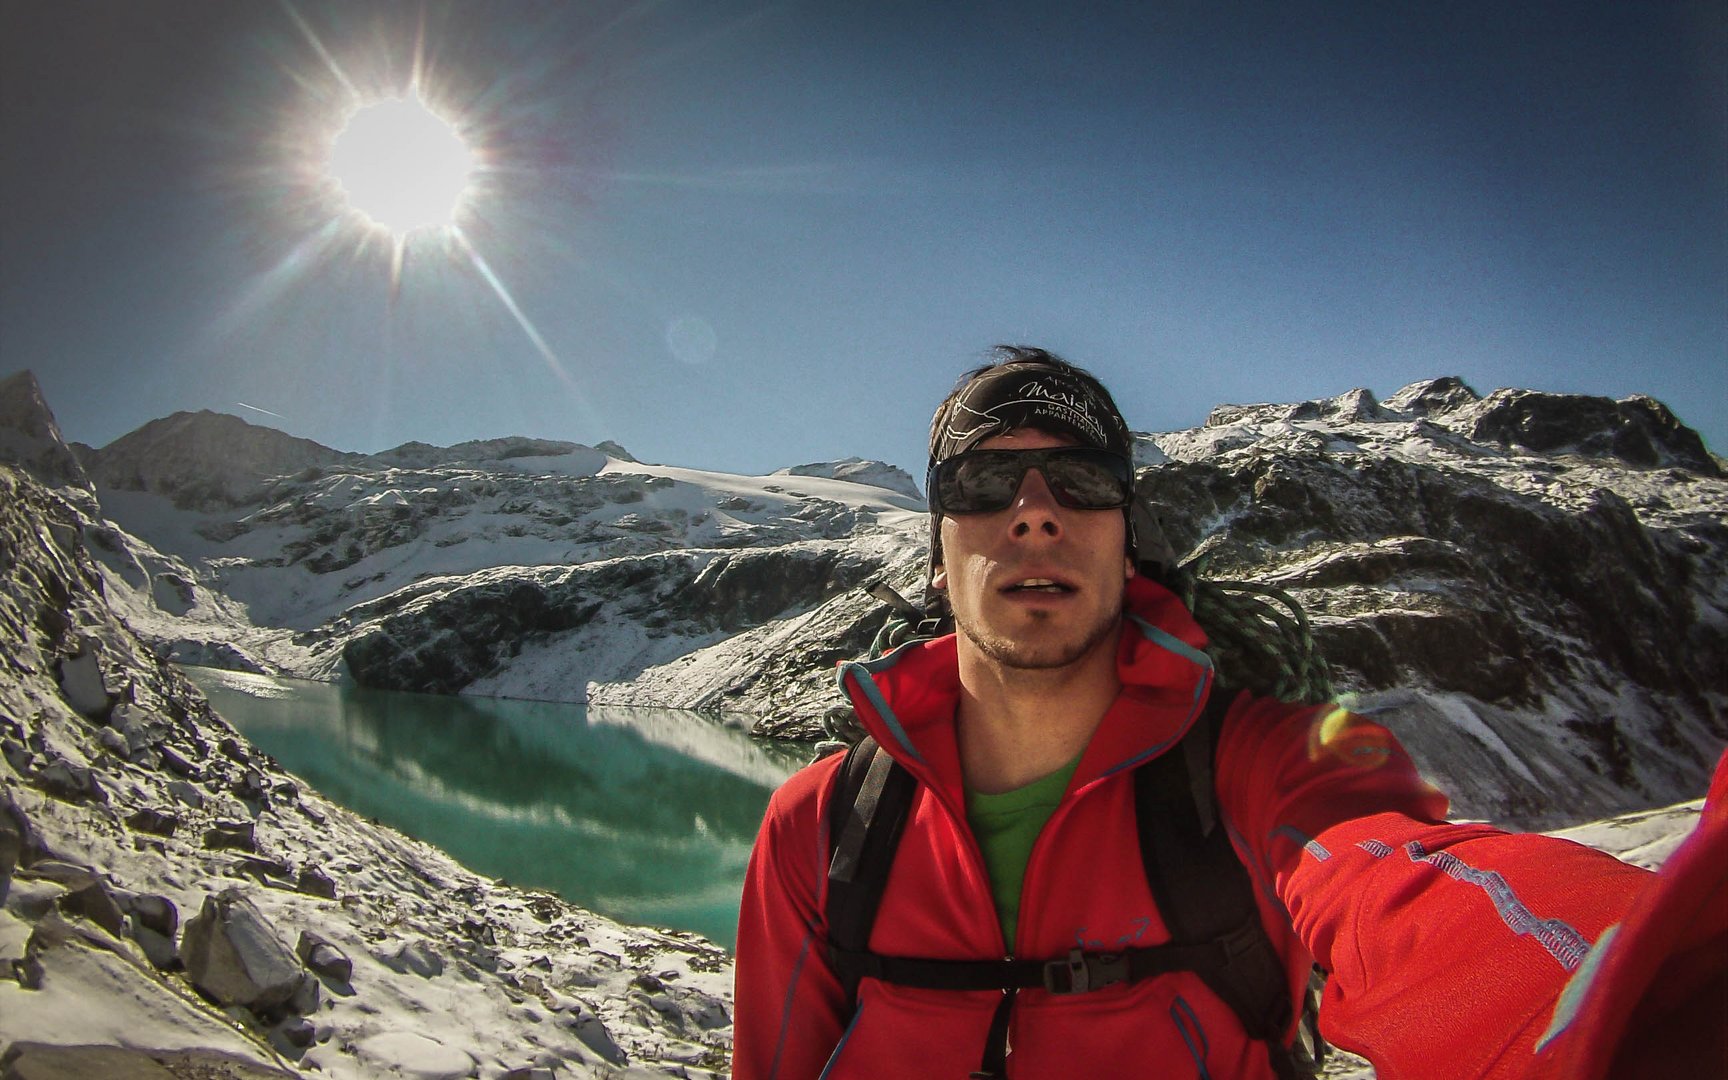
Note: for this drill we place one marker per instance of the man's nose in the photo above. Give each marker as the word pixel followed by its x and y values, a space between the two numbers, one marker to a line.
pixel 1035 509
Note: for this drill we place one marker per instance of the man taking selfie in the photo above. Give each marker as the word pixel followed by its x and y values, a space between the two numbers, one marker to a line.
pixel 1070 849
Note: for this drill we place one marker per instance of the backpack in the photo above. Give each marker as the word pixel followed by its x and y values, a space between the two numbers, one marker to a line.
pixel 1200 887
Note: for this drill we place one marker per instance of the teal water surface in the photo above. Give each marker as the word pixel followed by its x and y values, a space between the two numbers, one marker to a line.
pixel 643 815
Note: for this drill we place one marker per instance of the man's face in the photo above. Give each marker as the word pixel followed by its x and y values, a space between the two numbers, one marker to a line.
pixel 1036 585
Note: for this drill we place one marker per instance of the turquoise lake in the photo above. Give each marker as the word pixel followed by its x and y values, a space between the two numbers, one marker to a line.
pixel 643 815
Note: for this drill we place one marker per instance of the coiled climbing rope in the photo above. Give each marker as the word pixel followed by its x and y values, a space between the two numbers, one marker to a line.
pixel 1259 636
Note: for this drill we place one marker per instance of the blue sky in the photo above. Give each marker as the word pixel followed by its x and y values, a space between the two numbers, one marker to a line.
pixel 743 236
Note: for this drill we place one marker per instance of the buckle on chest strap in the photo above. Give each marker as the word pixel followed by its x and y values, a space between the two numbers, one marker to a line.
pixel 1080 972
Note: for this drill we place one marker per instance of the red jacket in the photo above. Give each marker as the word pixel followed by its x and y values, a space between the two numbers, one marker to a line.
pixel 1447 944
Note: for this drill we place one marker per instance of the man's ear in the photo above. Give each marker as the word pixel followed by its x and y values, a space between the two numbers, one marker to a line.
pixel 1127 567
pixel 939 578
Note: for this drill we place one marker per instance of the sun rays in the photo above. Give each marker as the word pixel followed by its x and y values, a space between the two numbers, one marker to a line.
pixel 410 190
pixel 380 163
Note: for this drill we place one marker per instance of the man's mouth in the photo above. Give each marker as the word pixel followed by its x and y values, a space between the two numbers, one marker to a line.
pixel 1040 585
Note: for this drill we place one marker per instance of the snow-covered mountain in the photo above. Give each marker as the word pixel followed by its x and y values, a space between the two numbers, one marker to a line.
pixel 30 439
pixel 204 459
pixel 1523 583
pixel 859 471
pixel 539 567
pixel 1530 588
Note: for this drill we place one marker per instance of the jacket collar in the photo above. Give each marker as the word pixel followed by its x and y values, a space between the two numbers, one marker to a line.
pixel 907 698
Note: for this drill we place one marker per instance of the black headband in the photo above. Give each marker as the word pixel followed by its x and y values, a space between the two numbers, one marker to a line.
pixel 1029 395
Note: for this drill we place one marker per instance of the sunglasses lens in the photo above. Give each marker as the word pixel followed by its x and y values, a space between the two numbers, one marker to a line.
pixel 978 483
pixel 984 481
pixel 1086 485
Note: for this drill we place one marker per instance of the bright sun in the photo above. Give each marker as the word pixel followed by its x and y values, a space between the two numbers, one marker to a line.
pixel 402 166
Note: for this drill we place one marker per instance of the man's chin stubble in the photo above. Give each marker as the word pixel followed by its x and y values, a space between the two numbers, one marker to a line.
pixel 1024 657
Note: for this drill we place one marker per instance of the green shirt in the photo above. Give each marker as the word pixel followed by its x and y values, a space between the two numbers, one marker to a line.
pixel 1006 827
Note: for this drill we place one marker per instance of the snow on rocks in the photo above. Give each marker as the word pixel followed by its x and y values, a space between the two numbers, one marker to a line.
pixel 415 1056
pixel 30 438
pixel 322 958
pixel 1526 587
pixel 780 673
pixel 192 903
pixel 280 581
pixel 858 471
pixel 232 954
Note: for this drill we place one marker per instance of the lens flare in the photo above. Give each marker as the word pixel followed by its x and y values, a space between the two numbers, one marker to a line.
pixel 1350 738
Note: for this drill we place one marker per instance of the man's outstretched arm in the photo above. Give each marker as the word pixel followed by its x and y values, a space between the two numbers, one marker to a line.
pixel 1447 945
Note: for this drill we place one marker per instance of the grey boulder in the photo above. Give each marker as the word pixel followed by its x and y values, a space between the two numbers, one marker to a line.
pixel 232 953
pixel 323 958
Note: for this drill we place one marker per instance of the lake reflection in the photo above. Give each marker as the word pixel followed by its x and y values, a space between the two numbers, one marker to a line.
pixel 644 815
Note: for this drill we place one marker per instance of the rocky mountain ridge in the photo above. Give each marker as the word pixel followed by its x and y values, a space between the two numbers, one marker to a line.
pixel 202 458
pixel 281 553
pixel 859 471
pixel 30 439
pixel 1539 573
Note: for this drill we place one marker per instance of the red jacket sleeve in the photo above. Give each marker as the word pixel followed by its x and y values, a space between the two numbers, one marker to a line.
pixel 1447 945
pixel 1652 1003
pixel 788 1009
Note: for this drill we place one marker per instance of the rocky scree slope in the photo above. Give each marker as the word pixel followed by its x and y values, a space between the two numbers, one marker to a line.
pixel 166 887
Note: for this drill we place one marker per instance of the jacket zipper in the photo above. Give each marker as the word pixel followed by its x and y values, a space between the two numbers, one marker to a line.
pixel 1066 807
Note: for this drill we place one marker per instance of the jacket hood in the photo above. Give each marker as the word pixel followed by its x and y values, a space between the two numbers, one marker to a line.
pixel 907 698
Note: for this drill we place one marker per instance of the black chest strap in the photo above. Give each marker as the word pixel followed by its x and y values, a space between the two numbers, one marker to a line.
pixel 1079 972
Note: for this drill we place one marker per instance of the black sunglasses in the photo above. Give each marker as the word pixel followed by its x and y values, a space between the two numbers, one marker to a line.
pixel 984 481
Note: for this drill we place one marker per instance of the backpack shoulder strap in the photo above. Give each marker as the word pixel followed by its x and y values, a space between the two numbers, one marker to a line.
pixel 866 813
pixel 1202 889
